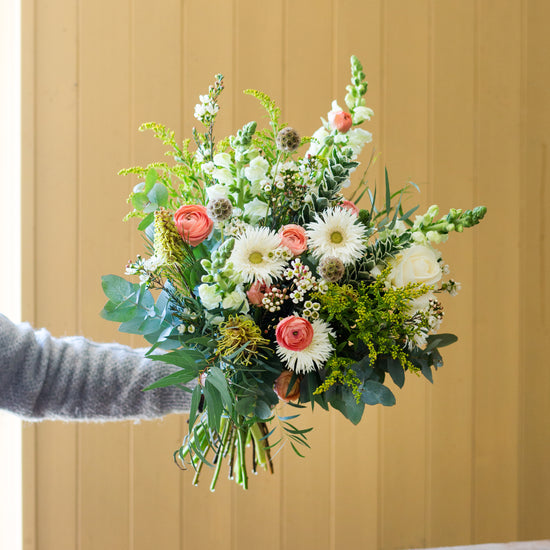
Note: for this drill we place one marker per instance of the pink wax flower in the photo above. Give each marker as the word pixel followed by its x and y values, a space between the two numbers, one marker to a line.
pixel 193 223
pixel 256 292
pixel 294 237
pixel 294 333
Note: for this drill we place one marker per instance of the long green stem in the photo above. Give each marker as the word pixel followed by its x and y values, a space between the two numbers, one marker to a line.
pixel 241 438
pixel 220 454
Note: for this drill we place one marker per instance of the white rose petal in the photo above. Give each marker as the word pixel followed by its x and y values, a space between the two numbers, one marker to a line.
pixel 417 264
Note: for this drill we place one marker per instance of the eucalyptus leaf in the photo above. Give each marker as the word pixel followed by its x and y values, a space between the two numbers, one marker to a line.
pixel 375 393
pixel 118 289
pixel 440 340
pixel 150 180
pixel 396 371
pixel 180 377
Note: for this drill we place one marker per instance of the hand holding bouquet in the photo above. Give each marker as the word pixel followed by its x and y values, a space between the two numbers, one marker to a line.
pixel 264 284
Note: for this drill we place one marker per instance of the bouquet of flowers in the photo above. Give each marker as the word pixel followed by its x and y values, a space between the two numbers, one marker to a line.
pixel 264 285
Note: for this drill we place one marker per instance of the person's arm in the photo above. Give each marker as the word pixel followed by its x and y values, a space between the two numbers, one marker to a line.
pixel 42 377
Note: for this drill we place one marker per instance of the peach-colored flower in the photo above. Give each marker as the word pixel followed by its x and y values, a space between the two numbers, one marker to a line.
pixel 193 223
pixel 350 206
pixel 294 333
pixel 282 386
pixel 341 120
pixel 294 237
pixel 256 292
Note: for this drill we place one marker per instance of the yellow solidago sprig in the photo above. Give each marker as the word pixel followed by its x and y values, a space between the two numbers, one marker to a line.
pixel 383 317
pixel 240 339
pixel 339 372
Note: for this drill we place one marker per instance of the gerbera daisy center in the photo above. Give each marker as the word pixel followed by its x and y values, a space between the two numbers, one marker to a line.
pixel 336 237
pixel 256 257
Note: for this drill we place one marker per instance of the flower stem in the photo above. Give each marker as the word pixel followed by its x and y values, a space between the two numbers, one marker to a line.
pixel 220 454
pixel 241 438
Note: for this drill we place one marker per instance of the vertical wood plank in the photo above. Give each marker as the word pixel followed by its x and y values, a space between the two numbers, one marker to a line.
pixel 405 152
pixel 104 118
pixel 534 444
pixel 450 475
pixel 355 509
pixel 307 499
pixel 156 66
pixel 55 254
pixel 258 65
pixel 496 377
pixel 207 50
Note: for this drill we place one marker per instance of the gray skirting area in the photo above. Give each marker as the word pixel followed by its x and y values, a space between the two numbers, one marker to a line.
pixel 529 545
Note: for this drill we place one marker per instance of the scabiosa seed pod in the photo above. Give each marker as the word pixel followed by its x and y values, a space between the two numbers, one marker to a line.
pixel 288 140
pixel 219 209
pixel 331 269
pixel 167 241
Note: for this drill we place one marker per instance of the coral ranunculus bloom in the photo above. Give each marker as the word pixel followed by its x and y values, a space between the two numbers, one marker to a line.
pixel 341 120
pixel 294 237
pixel 282 386
pixel 193 223
pixel 294 333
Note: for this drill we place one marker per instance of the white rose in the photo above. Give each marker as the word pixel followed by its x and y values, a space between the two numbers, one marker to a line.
pixel 360 114
pixel 223 160
pixel 217 192
pixel 255 210
pixel 417 264
pixel 235 300
pixel 357 139
pixel 223 175
pixel 209 296
pixel 257 169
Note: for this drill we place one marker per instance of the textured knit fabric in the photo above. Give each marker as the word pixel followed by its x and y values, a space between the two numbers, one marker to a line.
pixel 75 379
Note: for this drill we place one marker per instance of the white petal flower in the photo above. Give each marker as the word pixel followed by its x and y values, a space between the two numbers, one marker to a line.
pixel 318 139
pixel 223 160
pixel 336 232
pixel 255 210
pixel 217 191
pixel 235 300
pixel 360 114
pixel 223 176
pixel 255 255
pixel 209 296
pixel 315 355
pixel 357 139
pixel 257 169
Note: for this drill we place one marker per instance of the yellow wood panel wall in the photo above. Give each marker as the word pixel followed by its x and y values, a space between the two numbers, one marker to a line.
pixel 459 89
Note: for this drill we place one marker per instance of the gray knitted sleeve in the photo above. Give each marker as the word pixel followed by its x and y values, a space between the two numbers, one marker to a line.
pixel 75 379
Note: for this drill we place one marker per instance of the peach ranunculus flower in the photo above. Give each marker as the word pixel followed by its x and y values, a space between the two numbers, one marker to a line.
pixel 256 292
pixel 282 386
pixel 339 119
pixel 350 206
pixel 294 333
pixel 294 237
pixel 193 223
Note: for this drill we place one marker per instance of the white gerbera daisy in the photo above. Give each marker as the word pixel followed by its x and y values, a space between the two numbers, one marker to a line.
pixel 336 232
pixel 256 255
pixel 315 355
